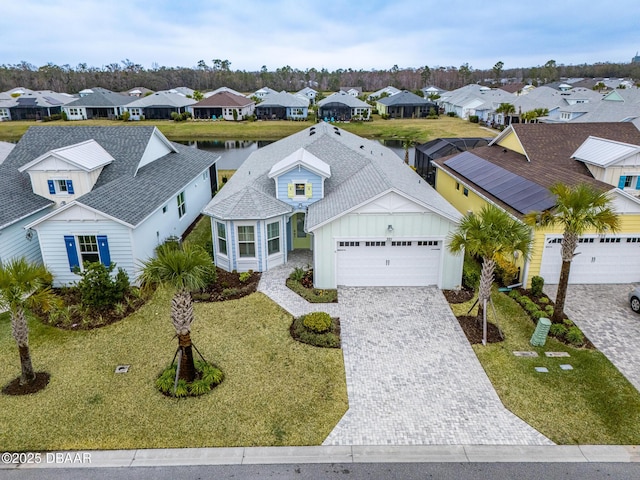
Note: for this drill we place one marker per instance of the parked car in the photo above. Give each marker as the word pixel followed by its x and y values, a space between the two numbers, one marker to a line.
pixel 634 299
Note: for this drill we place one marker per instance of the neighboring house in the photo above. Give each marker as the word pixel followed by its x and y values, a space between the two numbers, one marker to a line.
pixel 433 92
pixel 186 91
pixel 221 89
pixel 263 92
pixel 224 105
pixel 116 193
pixel 159 106
pixel 427 152
pixel 515 171
pixel 406 105
pixel 474 99
pixel 386 90
pixel 368 218
pixel 282 106
pixel 25 104
pixel 5 150
pixel 353 91
pixel 97 103
pixel 309 93
pixel 139 92
pixel 343 107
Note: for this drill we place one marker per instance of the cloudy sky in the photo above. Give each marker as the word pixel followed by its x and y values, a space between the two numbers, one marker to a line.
pixel 332 34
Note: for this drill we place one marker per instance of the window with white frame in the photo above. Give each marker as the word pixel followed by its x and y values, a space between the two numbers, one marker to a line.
pixel 88 246
pixel 273 238
pixel 61 186
pixel 222 238
pixel 246 241
pixel 182 207
pixel 300 189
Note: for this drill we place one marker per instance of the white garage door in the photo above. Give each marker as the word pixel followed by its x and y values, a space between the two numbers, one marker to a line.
pixel 366 263
pixel 610 259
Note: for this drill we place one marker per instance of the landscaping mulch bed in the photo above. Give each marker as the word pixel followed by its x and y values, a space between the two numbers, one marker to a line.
pixel 228 287
pixel 472 328
pixel 330 339
pixel 14 387
pixel 458 296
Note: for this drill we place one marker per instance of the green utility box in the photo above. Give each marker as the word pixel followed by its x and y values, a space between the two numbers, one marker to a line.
pixel 539 337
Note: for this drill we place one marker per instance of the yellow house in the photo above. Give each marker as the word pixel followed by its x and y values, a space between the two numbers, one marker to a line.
pixel 515 171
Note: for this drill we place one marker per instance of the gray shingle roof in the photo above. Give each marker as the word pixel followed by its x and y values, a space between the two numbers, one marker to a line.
pixel 162 99
pixel 282 99
pixel 404 98
pixel 102 99
pixel 360 170
pixel 117 192
pixel 344 98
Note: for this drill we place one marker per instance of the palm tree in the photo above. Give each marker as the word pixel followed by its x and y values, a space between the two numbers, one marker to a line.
pixel 23 286
pixel 184 268
pixel 578 209
pixel 507 109
pixel 492 233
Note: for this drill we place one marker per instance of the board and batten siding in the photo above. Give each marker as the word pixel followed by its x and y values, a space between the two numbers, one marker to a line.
pixel 51 234
pixel 160 225
pixel 299 175
pixel 374 226
pixel 15 244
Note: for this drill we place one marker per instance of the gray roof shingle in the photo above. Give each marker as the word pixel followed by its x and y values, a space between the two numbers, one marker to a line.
pixel 119 191
pixel 361 169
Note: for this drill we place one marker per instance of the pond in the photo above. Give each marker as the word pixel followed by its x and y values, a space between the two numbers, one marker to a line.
pixel 234 152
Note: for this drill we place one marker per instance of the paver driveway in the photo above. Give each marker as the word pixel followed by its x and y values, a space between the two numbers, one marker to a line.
pixel 602 312
pixel 412 377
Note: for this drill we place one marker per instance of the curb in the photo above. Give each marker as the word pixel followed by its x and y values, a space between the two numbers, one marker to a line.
pixel 325 454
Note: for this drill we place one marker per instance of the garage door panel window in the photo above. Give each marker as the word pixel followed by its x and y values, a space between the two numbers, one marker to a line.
pixel 349 244
pixel 402 243
pixel 246 241
pixel 273 238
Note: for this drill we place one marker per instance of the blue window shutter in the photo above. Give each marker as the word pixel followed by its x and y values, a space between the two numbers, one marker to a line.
pixel 70 187
pixel 103 249
pixel 637 183
pixel 623 179
pixel 52 187
pixel 72 252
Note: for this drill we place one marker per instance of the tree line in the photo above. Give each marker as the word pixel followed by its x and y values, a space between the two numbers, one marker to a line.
pixel 205 76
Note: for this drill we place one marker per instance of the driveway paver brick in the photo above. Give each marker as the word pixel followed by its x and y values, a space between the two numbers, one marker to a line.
pixel 412 377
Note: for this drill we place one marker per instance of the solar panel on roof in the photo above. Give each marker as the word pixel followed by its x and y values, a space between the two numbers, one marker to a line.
pixel 51 100
pixel 519 193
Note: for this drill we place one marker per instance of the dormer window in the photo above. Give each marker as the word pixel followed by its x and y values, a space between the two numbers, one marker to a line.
pixel 299 189
pixel 58 187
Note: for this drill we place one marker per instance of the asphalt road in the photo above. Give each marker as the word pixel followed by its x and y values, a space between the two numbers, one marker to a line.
pixel 362 471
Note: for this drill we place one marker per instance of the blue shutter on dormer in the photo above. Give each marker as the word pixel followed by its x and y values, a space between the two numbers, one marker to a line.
pixel 103 250
pixel 70 187
pixel 72 252
pixel 637 183
pixel 52 187
pixel 623 179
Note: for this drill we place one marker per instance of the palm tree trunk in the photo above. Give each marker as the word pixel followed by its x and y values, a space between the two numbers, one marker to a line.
pixel 20 333
pixel 486 280
pixel 187 366
pixel 182 316
pixel 561 294
pixel 569 245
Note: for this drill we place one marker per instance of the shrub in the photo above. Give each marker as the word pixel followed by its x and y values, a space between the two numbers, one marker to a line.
pixel 209 376
pixel 471 271
pixel 474 118
pixel 549 310
pixel 98 288
pixel 506 271
pixel 318 322
pixel 514 294
pixel 538 314
pixel 229 292
pixel 244 276
pixel 575 336
pixel 558 330
pixel 126 116
pixel 544 300
pixel 531 307
pixel 536 286
pixel 451 114
pixel 330 339
pixel 297 275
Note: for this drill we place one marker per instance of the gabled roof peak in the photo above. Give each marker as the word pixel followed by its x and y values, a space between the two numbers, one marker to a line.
pixel 304 158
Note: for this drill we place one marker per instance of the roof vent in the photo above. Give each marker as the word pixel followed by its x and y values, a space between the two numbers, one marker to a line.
pixel 312 132
pixel 337 132
pixel 362 147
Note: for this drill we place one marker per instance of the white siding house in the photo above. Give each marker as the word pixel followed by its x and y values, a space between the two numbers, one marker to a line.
pixel 367 217
pixel 146 189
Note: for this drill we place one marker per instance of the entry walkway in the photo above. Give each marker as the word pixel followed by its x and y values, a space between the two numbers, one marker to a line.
pixel 412 377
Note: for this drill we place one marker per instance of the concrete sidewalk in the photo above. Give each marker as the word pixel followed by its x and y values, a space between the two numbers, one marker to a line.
pixel 334 454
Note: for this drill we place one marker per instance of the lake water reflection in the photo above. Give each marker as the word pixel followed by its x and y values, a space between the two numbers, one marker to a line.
pixel 234 152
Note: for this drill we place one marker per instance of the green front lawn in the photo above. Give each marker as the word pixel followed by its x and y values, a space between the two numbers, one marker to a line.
pixel 276 391
pixel 591 404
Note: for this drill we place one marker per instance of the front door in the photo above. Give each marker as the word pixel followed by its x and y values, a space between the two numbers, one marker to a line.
pixel 300 237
